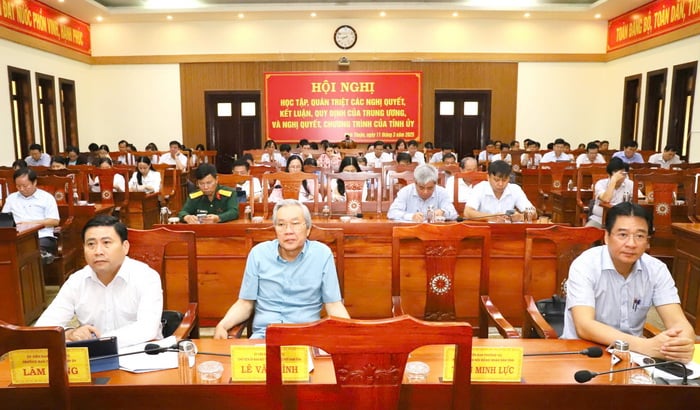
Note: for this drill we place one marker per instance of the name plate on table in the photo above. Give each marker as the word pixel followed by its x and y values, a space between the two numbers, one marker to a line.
pixel 248 363
pixel 31 366
pixel 489 364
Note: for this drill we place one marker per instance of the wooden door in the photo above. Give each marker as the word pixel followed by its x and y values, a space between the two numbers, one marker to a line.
pixel 630 108
pixel 680 116
pixel 463 119
pixel 654 101
pixel 233 124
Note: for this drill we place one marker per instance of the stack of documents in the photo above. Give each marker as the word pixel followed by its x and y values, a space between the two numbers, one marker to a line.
pixel 141 363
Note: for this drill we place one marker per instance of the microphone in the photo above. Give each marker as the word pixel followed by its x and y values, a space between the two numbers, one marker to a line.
pixel 582 376
pixel 508 213
pixel 593 351
pixel 153 348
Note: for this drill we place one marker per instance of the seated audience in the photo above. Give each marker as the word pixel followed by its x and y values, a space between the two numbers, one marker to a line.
pixel 153 148
pixel 58 162
pixel 604 145
pixel 348 164
pixel 504 155
pixel 591 156
pixel 271 154
pixel 211 203
pixel 487 153
pixel 174 156
pixel 667 158
pixel 19 163
pixel 468 164
pixel 629 153
pixel 306 191
pixel 377 156
pixel 113 295
pixel 288 279
pixel 613 190
pixel 438 156
pixel 125 157
pixel 31 205
pixel 74 156
pixel 412 201
pixel 611 288
pixel 241 167
pixel 416 155
pixel 145 179
pixel 37 157
pixel 558 153
pixel 330 158
pixel 496 197
pixel 531 158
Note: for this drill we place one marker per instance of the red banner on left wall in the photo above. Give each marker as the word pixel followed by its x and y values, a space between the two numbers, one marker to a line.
pixel 41 21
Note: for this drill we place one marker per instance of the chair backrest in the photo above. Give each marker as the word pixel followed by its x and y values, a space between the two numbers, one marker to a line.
pixel 106 176
pixel 3 191
pixel 586 177
pixel 395 180
pixel 445 171
pixel 57 394
pixel 291 186
pixel 333 237
pixel 149 246
pixel 233 180
pixel 471 178
pixel 62 190
pixel 567 243
pixel 691 183
pixel 661 189
pixel 560 173
pixel 369 358
pixel 357 184
pixel 441 246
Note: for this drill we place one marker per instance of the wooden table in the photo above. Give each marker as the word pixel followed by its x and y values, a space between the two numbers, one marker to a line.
pixel 221 256
pixel 686 269
pixel 143 211
pixel 547 382
pixel 22 297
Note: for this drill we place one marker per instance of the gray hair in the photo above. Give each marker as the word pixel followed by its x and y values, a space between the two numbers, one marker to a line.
pixel 292 202
pixel 425 173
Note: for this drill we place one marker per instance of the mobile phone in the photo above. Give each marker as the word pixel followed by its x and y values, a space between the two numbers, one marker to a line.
pixel 673 368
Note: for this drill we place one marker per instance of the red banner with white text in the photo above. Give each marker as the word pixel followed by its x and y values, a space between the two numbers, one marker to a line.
pixel 368 106
pixel 41 21
pixel 651 20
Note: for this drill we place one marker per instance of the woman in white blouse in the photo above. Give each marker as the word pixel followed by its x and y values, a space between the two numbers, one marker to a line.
pixel 146 179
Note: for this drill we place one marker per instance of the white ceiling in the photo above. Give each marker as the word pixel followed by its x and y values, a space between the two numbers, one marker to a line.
pixel 120 11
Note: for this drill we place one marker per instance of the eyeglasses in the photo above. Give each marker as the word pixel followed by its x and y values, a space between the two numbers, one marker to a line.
pixel 636 237
pixel 295 225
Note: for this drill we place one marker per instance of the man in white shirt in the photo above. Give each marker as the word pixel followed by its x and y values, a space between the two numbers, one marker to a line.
pixel 558 153
pixel 667 158
pixel 613 190
pixel 241 167
pixel 37 157
pixel 591 156
pixel 497 197
pixel 531 161
pixel 504 155
pixel 125 157
pixel 416 156
pixel 468 164
pixel 31 205
pixel 487 153
pixel 113 296
pixel 439 156
pixel 174 157
pixel 378 155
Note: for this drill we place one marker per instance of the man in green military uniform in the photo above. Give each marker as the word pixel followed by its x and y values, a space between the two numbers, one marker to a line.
pixel 212 203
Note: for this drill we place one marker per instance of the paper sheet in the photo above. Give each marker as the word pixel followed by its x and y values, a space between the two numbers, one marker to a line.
pixel 141 363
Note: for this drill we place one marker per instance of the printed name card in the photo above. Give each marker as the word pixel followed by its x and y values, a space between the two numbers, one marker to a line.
pixel 489 364
pixel 248 363
pixel 31 366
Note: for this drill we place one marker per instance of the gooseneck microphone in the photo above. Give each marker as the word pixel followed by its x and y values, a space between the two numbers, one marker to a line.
pixel 593 351
pixel 582 376
pixel 153 348
pixel 508 213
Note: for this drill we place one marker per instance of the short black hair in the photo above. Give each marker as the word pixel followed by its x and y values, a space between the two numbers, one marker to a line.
pixel 93 147
pixel 106 220
pixel 592 145
pixel 240 163
pixel 450 155
pixel 35 146
pixel 19 163
pixel 125 142
pixel 285 148
pixel 559 141
pixel 412 143
pixel 173 142
pixel 20 172
pixel 72 148
pixel 101 161
pixel 203 170
pixel 499 168
pixel 670 148
pixel 630 144
pixel 628 209
pixel 404 156
pixel 59 159
pixel 616 164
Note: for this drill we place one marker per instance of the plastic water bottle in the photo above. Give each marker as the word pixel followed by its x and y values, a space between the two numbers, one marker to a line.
pixel 248 213
pixel 620 359
pixel 76 197
pixel 430 214
pixel 326 213
pixel 570 185
pixel 186 358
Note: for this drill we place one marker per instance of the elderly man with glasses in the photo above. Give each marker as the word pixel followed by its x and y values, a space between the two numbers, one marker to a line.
pixel 288 279
pixel 612 287
pixel 212 203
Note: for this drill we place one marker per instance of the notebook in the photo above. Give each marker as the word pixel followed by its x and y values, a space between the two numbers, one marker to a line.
pixel 102 352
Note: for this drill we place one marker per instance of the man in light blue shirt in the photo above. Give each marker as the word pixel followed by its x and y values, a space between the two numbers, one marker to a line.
pixel 413 201
pixel 286 280
pixel 629 153
pixel 37 157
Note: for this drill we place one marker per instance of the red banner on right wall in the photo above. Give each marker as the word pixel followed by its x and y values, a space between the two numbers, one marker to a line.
pixel 651 20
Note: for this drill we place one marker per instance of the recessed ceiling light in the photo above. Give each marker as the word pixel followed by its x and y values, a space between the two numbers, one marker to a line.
pixel 382 14
pixel 526 15
pixel 169 17
pixel 99 18
pixel 241 15
pixel 313 14
pixel 597 15
pixel 455 14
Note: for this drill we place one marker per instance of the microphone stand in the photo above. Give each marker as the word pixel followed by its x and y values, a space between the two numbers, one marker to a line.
pixel 583 376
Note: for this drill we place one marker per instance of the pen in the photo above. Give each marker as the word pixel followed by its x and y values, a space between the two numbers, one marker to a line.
pixel 635 304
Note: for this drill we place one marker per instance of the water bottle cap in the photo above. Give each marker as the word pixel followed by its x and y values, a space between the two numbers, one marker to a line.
pixel 622 345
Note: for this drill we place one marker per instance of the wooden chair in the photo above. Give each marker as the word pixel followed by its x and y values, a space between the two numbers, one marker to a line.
pixel 445 171
pixel 170 185
pixel 4 191
pixel 291 186
pixel 107 194
pixel 566 243
pixel 440 247
pixel 333 237
pixel 235 181
pixel 65 261
pixel 369 358
pixel 57 394
pixel 355 201
pixel 396 180
pixel 691 184
pixel 471 178
pixel 586 178
pixel 559 174
pixel 149 246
